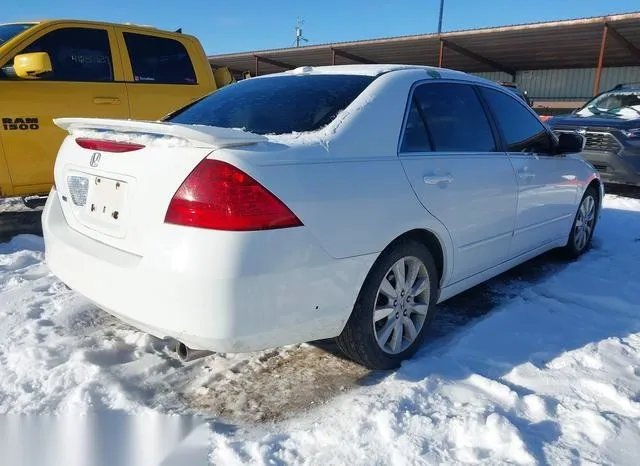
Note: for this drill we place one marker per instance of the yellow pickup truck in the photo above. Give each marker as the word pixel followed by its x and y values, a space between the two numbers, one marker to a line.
pixel 59 68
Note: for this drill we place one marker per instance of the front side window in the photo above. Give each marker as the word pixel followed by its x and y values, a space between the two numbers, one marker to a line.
pixel 77 54
pixel 158 60
pixel 454 119
pixel 275 105
pixel 523 132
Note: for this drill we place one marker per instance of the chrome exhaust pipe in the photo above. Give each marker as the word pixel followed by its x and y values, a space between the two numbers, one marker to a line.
pixel 186 354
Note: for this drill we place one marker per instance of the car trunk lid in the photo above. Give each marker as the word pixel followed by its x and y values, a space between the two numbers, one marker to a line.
pixel 116 178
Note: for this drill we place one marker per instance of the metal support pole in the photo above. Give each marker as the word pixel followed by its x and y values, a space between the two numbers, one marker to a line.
pixel 333 57
pixel 441 55
pixel 603 46
pixel 257 66
pixel 440 20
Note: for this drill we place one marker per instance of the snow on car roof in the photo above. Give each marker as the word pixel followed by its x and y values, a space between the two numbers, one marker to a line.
pixel 368 70
pixel 371 70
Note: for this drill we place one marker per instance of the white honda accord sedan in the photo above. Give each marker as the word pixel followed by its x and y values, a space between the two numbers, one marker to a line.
pixel 337 202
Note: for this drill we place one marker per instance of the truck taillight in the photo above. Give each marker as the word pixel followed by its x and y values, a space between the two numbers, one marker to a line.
pixel 217 195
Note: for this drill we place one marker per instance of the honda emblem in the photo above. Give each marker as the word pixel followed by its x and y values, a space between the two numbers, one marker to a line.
pixel 95 159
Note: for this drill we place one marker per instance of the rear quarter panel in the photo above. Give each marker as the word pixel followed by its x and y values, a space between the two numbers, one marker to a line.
pixel 353 207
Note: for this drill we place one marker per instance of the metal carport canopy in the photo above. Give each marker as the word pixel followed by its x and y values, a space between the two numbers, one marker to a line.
pixel 574 43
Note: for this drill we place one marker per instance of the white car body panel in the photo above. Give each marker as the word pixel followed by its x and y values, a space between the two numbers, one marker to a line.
pixel 244 291
pixel 212 289
pixel 351 203
pixel 547 196
pixel 477 205
pixel 146 199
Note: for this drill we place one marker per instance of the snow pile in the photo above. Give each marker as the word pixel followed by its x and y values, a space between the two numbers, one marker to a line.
pixel 550 375
pixel 60 354
pixel 13 204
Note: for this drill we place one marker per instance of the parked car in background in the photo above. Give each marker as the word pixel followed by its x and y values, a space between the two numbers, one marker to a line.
pixel 610 123
pixel 524 95
pixel 353 200
pixel 60 68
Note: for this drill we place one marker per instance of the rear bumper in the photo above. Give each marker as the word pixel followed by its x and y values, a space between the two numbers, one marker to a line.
pixel 220 291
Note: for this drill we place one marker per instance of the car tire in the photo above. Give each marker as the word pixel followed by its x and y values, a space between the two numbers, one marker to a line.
pixel 584 225
pixel 391 317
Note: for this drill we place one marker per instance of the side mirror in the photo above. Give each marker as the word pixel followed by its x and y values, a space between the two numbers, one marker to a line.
pixel 570 143
pixel 32 65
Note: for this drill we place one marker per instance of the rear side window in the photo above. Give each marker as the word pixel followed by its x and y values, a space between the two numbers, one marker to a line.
pixel 276 105
pixel 159 60
pixel 77 54
pixel 416 138
pixel 522 131
pixel 454 119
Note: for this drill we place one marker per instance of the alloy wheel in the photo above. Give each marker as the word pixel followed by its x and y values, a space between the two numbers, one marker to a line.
pixel 401 305
pixel 584 222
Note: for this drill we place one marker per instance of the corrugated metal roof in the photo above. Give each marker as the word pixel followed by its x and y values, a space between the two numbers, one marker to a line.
pixel 571 43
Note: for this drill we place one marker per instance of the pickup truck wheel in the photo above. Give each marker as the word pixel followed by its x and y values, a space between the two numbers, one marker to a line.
pixel 394 308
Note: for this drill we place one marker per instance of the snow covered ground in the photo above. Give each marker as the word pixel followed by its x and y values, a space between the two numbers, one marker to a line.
pixel 540 366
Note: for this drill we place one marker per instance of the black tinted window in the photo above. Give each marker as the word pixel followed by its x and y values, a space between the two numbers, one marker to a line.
pixel 416 138
pixel 523 132
pixel 9 31
pixel 159 60
pixel 276 105
pixel 517 92
pixel 455 119
pixel 77 54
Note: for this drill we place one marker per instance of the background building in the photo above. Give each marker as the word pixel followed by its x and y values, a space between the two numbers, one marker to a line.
pixel 560 64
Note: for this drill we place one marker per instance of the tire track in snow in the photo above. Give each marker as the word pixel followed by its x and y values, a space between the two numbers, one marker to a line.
pixel 280 384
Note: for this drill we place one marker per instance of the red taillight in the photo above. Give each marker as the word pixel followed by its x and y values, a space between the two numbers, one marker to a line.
pixel 219 196
pixel 107 146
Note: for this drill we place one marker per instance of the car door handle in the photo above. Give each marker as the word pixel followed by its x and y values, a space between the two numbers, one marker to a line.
pixel 106 100
pixel 438 179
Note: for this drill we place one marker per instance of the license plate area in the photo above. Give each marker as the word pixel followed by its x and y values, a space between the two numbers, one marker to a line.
pixel 105 199
pixel 99 202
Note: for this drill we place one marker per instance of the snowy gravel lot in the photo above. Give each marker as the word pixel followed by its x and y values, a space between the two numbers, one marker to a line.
pixel 539 366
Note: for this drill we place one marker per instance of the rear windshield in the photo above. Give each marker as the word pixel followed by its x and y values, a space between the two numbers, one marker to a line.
pixel 276 105
pixel 8 31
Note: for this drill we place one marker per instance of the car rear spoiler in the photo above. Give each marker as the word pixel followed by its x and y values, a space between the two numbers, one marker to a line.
pixel 212 137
